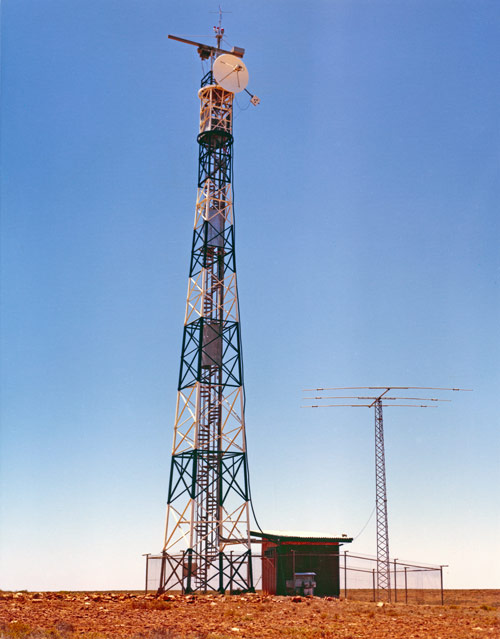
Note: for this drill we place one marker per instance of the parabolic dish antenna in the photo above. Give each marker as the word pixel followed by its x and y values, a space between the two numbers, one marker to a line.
pixel 230 73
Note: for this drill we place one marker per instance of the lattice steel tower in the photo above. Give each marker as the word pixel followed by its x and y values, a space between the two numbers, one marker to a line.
pixel 207 537
pixel 377 402
pixel 383 556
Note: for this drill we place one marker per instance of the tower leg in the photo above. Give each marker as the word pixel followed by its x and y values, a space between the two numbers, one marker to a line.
pixel 188 588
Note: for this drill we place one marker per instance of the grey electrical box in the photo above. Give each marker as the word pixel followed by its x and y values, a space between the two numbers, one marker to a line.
pixel 215 228
pixel 303 583
pixel 212 345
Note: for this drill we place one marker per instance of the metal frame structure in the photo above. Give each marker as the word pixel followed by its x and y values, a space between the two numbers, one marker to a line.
pixel 207 536
pixel 377 402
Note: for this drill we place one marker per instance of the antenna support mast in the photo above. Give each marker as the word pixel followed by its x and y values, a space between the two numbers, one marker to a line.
pixel 377 402
pixel 383 557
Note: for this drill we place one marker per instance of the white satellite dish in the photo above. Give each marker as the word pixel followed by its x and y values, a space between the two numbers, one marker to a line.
pixel 230 73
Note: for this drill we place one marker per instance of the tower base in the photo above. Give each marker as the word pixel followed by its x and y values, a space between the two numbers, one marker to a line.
pixel 189 572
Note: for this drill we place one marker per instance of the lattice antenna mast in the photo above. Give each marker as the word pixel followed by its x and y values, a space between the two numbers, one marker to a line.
pixel 207 535
pixel 377 402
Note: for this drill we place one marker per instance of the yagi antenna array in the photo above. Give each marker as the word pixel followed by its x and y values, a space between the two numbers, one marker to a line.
pixel 386 387
pixel 206 51
pixel 379 397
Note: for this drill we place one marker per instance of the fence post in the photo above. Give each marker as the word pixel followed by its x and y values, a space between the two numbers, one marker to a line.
pixel 373 584
pixel 345 574
pixel 187 589
pixel 231 574
pixel 250 569
pixel 395 584
pixel 161 587
pixel 406 584
pixel 147 566
pixel 442 591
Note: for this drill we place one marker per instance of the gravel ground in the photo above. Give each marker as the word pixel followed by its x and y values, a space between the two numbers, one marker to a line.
pixel 97 615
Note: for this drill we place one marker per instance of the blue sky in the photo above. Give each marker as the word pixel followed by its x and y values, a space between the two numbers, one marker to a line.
pixel 367 208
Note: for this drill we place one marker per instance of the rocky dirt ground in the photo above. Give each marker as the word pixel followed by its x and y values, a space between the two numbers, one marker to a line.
pixel 98 615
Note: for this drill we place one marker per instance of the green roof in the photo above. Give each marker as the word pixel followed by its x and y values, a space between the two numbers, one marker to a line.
pixel 300 535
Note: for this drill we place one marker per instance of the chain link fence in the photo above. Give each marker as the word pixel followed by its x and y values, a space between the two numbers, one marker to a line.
pixel 409 582
pixel 353 576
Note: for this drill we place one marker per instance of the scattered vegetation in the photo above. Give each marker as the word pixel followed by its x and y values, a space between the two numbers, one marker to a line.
pixel 153 604
pixel 157 633
pixel 486 607
pixel 20 630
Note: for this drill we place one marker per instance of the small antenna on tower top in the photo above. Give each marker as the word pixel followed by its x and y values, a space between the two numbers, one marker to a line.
pixel 219 30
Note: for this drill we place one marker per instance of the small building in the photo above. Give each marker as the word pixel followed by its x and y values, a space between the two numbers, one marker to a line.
pixel 289 555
